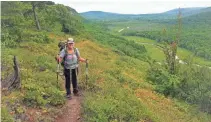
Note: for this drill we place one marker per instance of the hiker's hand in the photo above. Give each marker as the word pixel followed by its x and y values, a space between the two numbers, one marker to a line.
pixel 82 59
pixel 58 58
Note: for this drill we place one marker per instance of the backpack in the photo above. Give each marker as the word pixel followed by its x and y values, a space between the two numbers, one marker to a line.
pixel 62 45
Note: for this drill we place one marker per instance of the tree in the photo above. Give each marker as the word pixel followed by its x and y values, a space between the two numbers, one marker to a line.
pixel 40 5
pixel 170 48
pixel 34 5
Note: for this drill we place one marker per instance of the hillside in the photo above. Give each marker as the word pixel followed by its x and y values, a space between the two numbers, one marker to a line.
pixel 125 83
pixel 111 94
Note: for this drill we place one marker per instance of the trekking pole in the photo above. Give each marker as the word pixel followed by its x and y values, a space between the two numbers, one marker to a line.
pixel 57 71
pixel 86 71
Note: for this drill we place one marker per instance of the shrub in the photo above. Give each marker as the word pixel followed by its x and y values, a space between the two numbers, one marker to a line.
pixel 9 40
pixel 5 116
pixel 165 82
pixel 191 84
pixel 41 89
pixel 45 62
pixel 34 98
pixel 114 103
pixel 39 37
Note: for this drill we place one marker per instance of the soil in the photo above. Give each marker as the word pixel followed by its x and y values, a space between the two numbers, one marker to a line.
pixel 71 111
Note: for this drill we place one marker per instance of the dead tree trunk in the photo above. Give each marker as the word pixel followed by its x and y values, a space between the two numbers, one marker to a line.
pixel 12 81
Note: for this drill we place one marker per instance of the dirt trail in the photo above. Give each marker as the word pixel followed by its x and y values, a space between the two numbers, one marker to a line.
pixel 71 111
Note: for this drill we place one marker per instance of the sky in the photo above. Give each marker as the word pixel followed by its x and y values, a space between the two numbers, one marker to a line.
pixel 131 6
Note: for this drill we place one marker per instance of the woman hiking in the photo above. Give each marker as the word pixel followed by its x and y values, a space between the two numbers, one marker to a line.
pixel 71 57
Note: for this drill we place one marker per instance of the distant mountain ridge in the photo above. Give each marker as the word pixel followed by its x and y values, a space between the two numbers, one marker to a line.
pixel 185 10
pixel 100 15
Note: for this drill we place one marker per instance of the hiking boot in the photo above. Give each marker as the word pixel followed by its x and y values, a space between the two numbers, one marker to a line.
pixel 77 94
pixel 68 97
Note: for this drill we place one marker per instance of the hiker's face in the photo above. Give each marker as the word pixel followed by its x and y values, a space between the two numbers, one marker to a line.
pixel 70 45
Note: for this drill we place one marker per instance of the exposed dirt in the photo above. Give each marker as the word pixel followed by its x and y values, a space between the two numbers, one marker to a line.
pixel 71 111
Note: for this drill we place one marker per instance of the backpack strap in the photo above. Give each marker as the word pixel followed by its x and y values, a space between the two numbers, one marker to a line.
pixel 66 53
pixel 76 52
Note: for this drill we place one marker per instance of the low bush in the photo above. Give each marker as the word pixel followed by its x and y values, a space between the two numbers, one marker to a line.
pixel 191 83
pixel 114 103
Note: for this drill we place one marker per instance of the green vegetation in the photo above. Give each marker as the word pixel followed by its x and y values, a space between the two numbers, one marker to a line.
pixel 106 98
pixel 39 88
pixel 174 85
pixel 19 24
pixel 171 14
pixel 112 91
pixel 190 83
pixel 152 46
pixel 120 45
pixel 31 39
pixel 117 82
pixel 186 84
pixel 194 37
pixel 5 116
pixel 123 72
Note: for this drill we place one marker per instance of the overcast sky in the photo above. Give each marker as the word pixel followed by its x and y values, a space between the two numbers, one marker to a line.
pixel 131 6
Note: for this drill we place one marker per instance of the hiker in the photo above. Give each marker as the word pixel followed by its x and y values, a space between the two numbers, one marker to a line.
pixel 70 56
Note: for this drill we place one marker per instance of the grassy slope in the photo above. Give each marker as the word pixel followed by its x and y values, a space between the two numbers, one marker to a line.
pixel 105 72
pixel 116 89
pixel 35 83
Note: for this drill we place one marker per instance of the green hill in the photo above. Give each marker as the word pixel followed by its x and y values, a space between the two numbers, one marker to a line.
pixel 171 14
pixel 186 11
pixel 100 15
